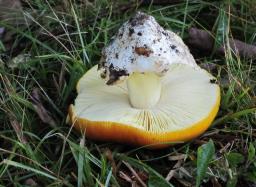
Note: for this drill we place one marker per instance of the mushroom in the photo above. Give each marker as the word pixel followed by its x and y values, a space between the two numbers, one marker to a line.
pixel 146 90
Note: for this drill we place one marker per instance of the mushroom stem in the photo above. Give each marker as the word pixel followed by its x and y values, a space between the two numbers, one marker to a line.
pixel 144 89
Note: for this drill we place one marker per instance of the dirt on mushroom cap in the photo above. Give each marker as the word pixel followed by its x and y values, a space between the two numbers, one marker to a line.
pixel 142 45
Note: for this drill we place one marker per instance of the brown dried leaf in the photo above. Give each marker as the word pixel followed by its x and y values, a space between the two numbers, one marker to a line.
pixel 40 109
pixel 215 182
pixel 30 182
pixel 109 156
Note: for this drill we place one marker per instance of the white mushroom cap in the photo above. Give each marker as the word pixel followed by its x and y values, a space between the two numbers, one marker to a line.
pixel 142 45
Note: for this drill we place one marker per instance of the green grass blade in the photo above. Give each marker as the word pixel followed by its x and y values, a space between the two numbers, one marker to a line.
pixel 80 165
pixel 28 168
pixel 204 156
pixel 80 36
pixel 107 183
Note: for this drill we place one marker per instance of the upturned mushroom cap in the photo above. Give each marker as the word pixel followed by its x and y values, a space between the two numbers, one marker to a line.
pixel 189 102
pixel 146 108
pixel 142 45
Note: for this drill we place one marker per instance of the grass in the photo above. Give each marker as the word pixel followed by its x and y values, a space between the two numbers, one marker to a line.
pixel 60 41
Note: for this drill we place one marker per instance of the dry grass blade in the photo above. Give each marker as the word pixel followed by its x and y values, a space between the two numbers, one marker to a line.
pixel 135 174
pixel 173 171
pixel 18 130
pixel 8 88
pixel 177 157
pixel 125 177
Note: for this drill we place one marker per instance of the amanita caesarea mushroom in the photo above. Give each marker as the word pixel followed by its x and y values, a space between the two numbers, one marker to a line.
pixel 146 90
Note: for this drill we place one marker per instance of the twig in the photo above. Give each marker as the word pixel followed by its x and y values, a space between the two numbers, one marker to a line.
pixel 203 40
